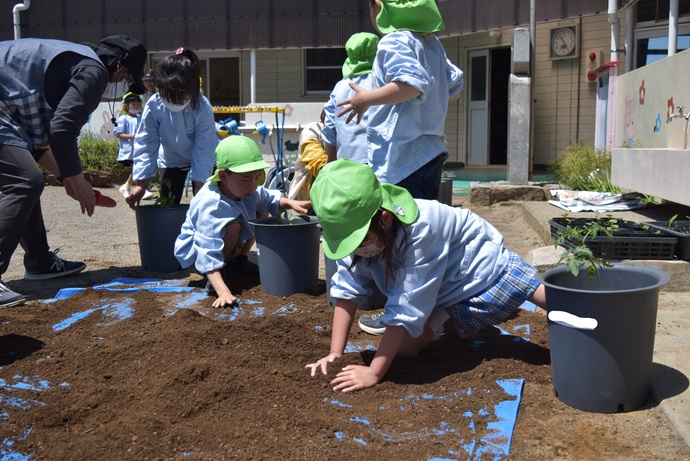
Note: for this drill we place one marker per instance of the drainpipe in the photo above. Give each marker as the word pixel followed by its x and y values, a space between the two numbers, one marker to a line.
pixel 25 6
pixel 615 29
pixel 629 38
pixel 672 27
pixel 252 76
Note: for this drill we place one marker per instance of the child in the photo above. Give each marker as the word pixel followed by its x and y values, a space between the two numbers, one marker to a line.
pixel 344 140
pixel 414 83
pixel 216 236
pixel 177 132
pixel 431 260
pixel 149 84
pixel 125 131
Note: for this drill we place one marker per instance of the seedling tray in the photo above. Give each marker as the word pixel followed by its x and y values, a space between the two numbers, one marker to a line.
pixel 630 241
pixel 681 230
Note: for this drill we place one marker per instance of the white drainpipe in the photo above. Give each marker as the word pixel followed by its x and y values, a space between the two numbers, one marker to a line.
pixel 252 76
pixel 16 17
pixel 673 27
pixel 629 38
pixel 615 29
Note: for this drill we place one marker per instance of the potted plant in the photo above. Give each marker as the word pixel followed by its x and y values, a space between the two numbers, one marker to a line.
pixel 158 226
pixel 288 251
pixel 98 158
pixel 678 228
pixel 601 322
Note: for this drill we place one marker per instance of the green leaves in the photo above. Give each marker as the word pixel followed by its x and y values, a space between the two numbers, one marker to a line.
pixel 579 256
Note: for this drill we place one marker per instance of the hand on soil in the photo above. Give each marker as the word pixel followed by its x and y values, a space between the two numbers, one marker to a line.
pixel 323 363
pixel 354 378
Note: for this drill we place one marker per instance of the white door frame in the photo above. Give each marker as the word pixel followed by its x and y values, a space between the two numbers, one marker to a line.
pixel 478 108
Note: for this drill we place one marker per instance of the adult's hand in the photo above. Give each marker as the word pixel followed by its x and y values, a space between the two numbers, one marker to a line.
pixel 80 190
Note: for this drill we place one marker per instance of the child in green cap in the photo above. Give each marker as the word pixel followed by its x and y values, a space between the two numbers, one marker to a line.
pixel 349 140
pixel 433 261
pixel 216 235
pixel 407 107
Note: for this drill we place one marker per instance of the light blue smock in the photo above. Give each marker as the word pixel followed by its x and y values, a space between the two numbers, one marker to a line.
pixel 452 254
pixel 175 140
pixel 126 124
pixel 404 137
pixel 201 238
pixel 349 139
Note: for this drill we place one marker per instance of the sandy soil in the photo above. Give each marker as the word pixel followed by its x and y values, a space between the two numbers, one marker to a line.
pixel 171 380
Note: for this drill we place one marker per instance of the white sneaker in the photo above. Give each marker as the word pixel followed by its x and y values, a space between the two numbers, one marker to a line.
pixel 438 319
pixel 148 195
pixel 124 190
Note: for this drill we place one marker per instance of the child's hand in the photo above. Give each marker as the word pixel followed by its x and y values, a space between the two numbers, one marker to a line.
pixel 301 206
pixel 135 196
pixel 225 301
pixel 356 105
pixel 354 378
pixel 323 363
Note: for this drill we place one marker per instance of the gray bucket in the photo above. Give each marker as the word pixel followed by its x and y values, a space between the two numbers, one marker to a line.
pixel 288 255
pixel 157 229
pixel 376 301
pixel 602 341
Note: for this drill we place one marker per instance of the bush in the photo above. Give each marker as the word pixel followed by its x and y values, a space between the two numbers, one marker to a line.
pixel 579 166
pixel 98 154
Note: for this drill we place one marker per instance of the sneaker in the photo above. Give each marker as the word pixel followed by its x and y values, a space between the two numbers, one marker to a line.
pixel 242 268
pixel 124 190
pixel 148 195
pixel 9 298
pixel 372 324
pixel 59 268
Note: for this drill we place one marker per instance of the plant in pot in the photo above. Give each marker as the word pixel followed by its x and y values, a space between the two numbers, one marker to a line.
pixel 158 226
pixel 678 228
pixel 601 322
pixel 288 253
pixel 98 158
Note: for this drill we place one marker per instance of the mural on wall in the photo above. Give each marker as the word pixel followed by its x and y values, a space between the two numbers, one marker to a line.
pixel 650 99
pixel 100 121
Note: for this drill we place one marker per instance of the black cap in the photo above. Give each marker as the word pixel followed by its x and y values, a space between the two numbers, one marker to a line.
pixel 148 76
pixel 127 50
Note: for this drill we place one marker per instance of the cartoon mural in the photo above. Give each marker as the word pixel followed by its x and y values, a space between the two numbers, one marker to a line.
pixel 650 98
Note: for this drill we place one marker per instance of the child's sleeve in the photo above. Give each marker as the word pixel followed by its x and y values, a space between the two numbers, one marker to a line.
pixel 399 59
pixel 456 82
pixel 146 144
pixel 121 127
pixel 205 141
pixel 268 201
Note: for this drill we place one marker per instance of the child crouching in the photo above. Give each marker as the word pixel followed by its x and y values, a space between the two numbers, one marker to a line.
pixel 216 236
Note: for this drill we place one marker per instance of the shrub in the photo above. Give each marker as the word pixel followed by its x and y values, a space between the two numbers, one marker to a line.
pixel 579 166
pixel 96 153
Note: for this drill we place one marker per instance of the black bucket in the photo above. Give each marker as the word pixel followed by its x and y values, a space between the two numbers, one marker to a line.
pixel 288 254
pixel 602 341
pixel 158 228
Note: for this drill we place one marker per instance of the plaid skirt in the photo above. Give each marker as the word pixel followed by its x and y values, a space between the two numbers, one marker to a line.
pixel 498 302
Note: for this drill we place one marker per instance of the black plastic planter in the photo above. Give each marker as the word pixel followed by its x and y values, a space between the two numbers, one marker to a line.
pixel 158 228
pixel 288 254
pixel 602 341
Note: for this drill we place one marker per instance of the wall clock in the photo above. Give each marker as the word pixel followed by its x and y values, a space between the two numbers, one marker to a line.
pixel 563 43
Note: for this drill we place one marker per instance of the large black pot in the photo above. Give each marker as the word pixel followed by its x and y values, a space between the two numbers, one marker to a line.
pixel 288 254
pixel 602 340
pixel 158 228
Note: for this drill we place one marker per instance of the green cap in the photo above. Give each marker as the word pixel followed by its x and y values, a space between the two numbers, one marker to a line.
pixel 361 51
pixel 414 15
pixel 345 196
pixel 126 99
pixel 238 154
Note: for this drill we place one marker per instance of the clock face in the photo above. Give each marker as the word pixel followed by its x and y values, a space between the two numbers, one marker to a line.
pixel 563 42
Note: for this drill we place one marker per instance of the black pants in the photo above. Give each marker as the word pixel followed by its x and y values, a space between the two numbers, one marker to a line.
pixel 21 218
pixel 177 178
pixel 425 182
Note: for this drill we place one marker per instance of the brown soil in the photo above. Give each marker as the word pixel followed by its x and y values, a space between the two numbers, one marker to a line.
pixel 189 382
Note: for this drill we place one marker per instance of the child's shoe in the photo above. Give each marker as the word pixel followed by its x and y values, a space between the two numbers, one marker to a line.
pixel 124 190
pixel 372 324
pixel 438 319
pixel 148 195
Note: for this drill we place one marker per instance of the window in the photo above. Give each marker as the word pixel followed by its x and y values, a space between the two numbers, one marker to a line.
pixel 324 68
pixel 658 10
pixel 651 44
